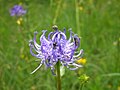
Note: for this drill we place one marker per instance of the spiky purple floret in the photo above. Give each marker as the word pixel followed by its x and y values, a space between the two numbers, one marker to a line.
pixel 17 10
pixel 56 48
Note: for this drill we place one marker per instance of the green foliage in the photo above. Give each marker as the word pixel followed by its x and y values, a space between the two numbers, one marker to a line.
pixel 99 25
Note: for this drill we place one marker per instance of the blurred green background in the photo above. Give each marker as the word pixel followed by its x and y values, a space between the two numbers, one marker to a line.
pixel 96 21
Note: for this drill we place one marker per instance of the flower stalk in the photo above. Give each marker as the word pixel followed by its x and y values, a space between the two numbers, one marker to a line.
pixel 58 76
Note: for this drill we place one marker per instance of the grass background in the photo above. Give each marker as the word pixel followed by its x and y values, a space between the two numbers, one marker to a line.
pixel 96 21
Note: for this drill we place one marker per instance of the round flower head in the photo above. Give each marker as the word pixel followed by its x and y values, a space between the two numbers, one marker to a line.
pixel 17 10
pixel 56 47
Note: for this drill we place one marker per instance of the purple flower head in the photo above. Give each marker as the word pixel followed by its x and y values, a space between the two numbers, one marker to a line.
pixel 56 47
pixel 17 10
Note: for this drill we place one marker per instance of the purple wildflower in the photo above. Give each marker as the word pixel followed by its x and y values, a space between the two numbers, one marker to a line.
pixel 56 47
pixel 17 10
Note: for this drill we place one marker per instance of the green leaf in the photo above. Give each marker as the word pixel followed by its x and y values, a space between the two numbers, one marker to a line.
pixel 62 70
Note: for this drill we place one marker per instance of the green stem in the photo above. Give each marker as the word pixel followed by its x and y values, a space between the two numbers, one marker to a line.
pixel 57 12
pixel 51 3
pixel 81 87
pixel 58 76
pixel 77 16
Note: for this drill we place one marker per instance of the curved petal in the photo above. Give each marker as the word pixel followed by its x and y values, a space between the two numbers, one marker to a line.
pixel 41 63
pixel 49 36
pixel 76 66
pixel 34 40
pixel 38 55
pixel 76 41
pixel 43 39
pixel 55 36
pixel 64 30
pixel 71 33
pixel 63 35
pixel 80 53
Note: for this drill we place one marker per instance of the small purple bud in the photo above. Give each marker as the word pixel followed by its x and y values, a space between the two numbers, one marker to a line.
pixel 17 10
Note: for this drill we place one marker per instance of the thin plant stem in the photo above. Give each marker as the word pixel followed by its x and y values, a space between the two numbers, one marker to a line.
pixel 77 16
pixel 57 12
pixel 58 76
pixel 81 87
pixel 51 3
pixel 20 27
pixel 27 15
